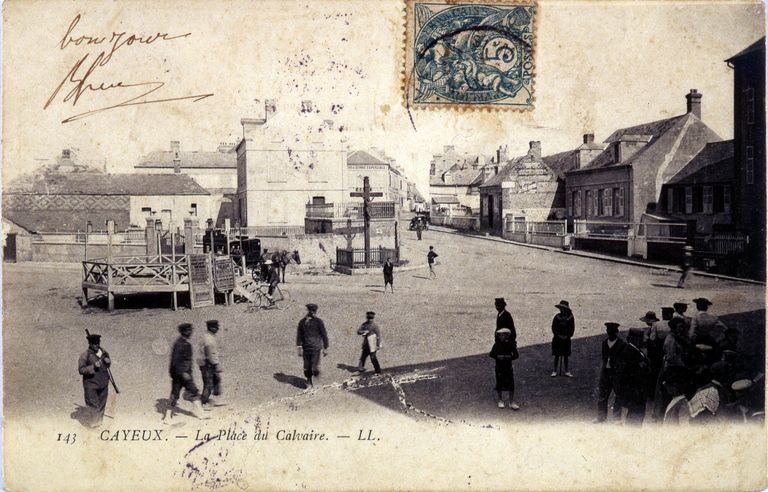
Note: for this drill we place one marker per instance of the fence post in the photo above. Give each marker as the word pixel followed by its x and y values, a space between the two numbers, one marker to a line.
pixel 110 295
pixel 226 230
pixel 149 237
pixel 189 236
pixel 173 270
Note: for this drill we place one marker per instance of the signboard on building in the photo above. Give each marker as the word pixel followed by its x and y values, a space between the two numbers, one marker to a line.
pixel 223 273
pixel 200 284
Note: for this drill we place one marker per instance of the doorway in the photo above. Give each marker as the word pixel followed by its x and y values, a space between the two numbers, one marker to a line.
pixel 9 250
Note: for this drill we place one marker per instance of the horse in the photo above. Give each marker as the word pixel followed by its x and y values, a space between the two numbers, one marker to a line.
pixel 284 258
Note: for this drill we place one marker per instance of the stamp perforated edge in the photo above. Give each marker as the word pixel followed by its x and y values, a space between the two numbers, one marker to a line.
pixel 408 61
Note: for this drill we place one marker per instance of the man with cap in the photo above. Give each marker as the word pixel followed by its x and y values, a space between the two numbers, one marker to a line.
pixel 371 342
pixel 503 318
pixel 209 362
pixel 311 340
pixel 93 365
pixel 180 370
pixel 656 336
pixel 706 328
pixel 610 368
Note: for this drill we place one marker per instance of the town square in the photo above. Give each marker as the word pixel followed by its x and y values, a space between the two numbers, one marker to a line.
pixel 383 256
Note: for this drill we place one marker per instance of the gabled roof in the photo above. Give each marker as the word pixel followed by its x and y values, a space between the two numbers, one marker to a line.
pixel 664 140
pixel 752 48
pixel 465 176
pixel 503 173
pixel 108 184
pixel 190 159
pixel 364 158
pixel 445 199
pixel 561 162
pixel 713 164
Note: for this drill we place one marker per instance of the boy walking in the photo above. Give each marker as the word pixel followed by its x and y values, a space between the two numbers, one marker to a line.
pixel 371 342
pixel 431 261
pixel 210 365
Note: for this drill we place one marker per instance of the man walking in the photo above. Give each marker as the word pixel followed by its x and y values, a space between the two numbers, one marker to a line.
pixel 431 261
pixel 93 366
pixel 311 340
pixel 180 370
pixel 209 362
pixel 505 322
pixel 371 342
pixel 389 277
pixel 419 228
pixel 609 373
pixel 686 266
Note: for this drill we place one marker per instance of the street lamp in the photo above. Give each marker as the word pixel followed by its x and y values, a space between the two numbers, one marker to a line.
pixel 210 231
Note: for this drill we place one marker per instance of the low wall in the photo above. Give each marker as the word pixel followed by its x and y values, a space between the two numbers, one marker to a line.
pixel 601 245
pixel 551 240
pixel 515 236
pixel 471 223
pixel 62 252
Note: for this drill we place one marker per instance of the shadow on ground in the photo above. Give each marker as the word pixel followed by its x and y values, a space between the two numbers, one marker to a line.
pixel 463 388
pixel 294 381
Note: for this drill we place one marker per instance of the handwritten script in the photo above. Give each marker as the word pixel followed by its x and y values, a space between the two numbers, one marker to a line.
pixel 82 77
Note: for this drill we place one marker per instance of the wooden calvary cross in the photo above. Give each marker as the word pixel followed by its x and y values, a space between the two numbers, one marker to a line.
pixel 367 196
pixel 350 232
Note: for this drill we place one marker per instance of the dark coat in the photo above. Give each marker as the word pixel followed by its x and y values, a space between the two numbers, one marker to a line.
pixel 93 377
pixel 504 320
pixel 503 353
pixel 562 331
pixel 388 268
pixel 614 353
pixel 311 334
pixel 181 357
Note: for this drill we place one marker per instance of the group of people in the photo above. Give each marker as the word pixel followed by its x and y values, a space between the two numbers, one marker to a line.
pixel 677 363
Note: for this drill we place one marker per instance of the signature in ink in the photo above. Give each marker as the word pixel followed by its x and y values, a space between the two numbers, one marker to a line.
pixel 79 78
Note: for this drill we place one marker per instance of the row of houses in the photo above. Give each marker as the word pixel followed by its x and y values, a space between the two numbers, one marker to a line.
pixel 263 180
pixel 674 170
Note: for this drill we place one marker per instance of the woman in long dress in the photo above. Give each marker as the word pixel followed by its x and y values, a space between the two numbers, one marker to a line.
pixel 563 327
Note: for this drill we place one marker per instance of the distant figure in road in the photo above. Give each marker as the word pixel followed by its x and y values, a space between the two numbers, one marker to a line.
pixel 209 363
pixel 92 365
pixel 431 262
pixel 609 373
pixel 504 351
pixel 311 340
pixel 181 373
pixel 503 318
pixel 687 266
pixel 563 327
pixel 419 229
pixel 371 342
pixel 389 277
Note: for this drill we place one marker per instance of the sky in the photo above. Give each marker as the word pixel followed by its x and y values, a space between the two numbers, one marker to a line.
pixel 599 66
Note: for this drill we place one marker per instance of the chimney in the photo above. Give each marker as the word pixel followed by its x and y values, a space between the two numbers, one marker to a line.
pixel 693 100
pixel 66 154
pixel 176 156
pixel 534 150
pixel 270 107
pixel 589 138
pixel 587 151
pixel 307 106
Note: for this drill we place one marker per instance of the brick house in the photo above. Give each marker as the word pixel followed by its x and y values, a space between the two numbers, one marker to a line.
pixel 624 181
pixel 529 186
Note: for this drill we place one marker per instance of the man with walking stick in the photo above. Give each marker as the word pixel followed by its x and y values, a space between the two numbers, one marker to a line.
pixel 93 365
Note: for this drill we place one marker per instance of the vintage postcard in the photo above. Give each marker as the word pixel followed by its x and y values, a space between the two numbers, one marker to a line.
pixel 390 245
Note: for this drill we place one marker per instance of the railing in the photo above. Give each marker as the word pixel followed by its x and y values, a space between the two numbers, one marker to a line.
pixel 518 226
pixel 613 230
pixel 721 244
pixel 385 210
pixel 673 232
pixel 355 258
pixel 137 271
pixel 130 236
pixel 266 231
pixel 465 222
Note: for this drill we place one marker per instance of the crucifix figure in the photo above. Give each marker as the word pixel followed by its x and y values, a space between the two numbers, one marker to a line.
pixel 368 197
pixel 348 233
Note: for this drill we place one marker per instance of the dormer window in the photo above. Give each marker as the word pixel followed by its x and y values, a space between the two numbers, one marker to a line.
pixel 616 150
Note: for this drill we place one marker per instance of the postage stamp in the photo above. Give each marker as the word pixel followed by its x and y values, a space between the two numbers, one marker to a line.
pixel 470 55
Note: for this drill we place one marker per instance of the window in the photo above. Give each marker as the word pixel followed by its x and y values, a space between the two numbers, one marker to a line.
pixel 588 212
pixel 600 205
pixel 193 210
pixel 727 199
pixel 707 199
pixel 608 202
pixel 616 150
pixel 749 97
pixel 749 170
pixel 146 211
pixel 717 199
pixel 688 200
pixel 577 203
pixel 620 207
pixel 698 200
pixel 670 208
pixel 318 200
